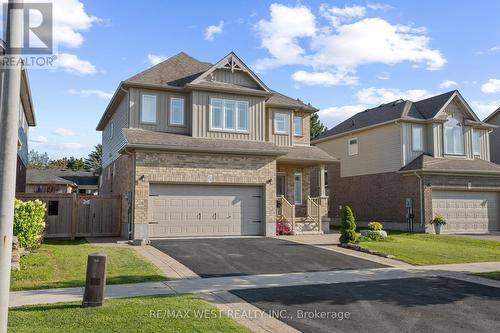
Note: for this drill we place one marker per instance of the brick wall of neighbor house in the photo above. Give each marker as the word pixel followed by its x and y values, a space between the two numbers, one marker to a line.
pixel 119 183
pixel 378 197
pixel 290 170
pixel 156 167
pixel 20 176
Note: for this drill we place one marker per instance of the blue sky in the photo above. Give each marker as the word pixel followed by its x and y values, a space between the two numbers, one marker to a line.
pixel 341 56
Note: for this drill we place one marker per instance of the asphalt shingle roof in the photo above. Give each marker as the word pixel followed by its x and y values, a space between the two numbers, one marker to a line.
pixel 70 177
pixel 428 163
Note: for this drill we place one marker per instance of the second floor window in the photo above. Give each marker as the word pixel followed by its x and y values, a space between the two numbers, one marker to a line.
pixel 148 109
pixel 228 115
pixel 176 111
pixel 353 146
pixel 476 142
pixel 297 125
pixel 417 138
pixel 281 120
pixel 453 137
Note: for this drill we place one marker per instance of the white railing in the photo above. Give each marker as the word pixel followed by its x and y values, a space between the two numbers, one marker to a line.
pixel 286 211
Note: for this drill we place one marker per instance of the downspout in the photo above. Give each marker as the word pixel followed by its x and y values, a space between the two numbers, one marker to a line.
pixel 421 199
pixel 131 196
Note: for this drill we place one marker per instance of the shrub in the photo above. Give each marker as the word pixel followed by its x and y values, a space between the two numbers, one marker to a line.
pixel 29 223
pixel 438 219
pixel 371 237
pixel 282 229
pixel 348 226
pixel 375 226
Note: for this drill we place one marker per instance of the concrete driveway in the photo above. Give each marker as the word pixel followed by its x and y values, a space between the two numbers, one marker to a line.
pixel 430 304
pixel 216 257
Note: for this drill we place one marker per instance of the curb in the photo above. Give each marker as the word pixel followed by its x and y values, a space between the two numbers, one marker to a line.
pixel 359 248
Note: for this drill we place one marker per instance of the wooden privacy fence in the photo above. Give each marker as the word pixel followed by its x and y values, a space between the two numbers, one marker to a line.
pixel 75 215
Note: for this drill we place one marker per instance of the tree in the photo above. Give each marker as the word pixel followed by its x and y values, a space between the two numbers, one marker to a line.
pixel 67 163
pixel 37 160
pixel 317 128
pixel 93 161
pixel 348 226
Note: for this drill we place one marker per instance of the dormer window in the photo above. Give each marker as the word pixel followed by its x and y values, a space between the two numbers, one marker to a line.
pixel 453 137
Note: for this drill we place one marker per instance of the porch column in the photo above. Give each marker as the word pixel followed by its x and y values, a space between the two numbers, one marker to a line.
pixel 322 191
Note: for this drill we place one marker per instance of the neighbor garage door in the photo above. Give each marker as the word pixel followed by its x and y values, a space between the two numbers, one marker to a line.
pixel 204 210
pixel 467 211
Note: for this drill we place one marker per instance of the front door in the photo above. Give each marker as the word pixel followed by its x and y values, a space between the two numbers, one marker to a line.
pixel 280 185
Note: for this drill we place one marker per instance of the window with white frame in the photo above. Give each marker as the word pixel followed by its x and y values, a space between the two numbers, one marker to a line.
pixel 111 130
pixel 297 189
pixel 297 125
pixel 417 138
pixel 148 109
pixel 453 137
pixel 228 115
pixel 281 122
pixel 176 111
pixel 476 142
pixel 352 146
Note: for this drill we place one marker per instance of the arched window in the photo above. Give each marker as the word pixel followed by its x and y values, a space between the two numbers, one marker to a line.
pixel 453 137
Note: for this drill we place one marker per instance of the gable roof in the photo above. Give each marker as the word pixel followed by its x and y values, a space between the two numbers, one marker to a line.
pixel 424 109
pixel 68 177
pixel 427 163
pixel 493 114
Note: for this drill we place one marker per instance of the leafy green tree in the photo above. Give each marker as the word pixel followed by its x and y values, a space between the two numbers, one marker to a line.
pixel 37 160
pixel 348 226
pixel 67 163
pixel 93 161
pixel 317 128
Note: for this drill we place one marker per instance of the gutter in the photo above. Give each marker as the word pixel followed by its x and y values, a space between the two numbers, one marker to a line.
pixel 455 172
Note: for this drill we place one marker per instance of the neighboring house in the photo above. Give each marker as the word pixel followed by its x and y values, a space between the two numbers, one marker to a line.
pixel 62 181
pixel 404 162
pixel 198 149
pixel 494 119
pixel 26 119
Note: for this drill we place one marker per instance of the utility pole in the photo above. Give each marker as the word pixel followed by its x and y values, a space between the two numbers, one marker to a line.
pixel 9 122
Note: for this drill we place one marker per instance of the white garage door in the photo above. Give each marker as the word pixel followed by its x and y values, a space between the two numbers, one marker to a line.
pixel 467 211
pixel 204 210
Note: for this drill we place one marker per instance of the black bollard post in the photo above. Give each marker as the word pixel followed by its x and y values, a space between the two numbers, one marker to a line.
pixel 95 280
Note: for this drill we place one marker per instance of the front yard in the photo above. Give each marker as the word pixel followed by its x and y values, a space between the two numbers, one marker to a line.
pixel 60 264
pixel 426 249
pixel 166 313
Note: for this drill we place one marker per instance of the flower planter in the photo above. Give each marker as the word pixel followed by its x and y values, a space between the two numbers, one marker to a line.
pixel 437 228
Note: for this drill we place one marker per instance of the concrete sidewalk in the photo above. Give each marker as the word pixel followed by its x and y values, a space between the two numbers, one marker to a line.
pixel 211 285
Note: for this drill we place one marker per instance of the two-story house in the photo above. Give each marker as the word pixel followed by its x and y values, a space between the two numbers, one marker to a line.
pixel 404 162
pixel 26 119
pixel 201 149
pixel 494 119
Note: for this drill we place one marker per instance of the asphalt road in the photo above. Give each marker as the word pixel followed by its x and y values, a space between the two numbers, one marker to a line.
pixel 433 304
pixel 215 257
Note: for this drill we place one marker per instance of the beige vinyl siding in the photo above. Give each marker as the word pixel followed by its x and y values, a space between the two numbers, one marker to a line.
pixel 306 129
pixel 379 150
pixel 468 142
pixel 484 144
pixel 111 146
pixel 280 139
pixel 162 111
pixel 407 142
pixel 437 139
pixel 201 117
pixel 237 77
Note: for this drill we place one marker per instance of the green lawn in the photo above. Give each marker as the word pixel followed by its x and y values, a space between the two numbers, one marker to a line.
pixel 138 314
pixel 490 275
pixel 58 264
pixel 426 249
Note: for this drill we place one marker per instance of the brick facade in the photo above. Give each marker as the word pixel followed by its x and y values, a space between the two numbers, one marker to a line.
pixel 377 197
pixel 289 171
pixel 202 168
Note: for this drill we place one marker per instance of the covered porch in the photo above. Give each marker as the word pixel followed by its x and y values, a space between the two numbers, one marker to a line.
pixel 301 198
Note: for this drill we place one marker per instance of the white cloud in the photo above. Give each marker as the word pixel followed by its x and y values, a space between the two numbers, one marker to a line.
pixel 70 146
pixel 446 84
pixel 72 64
pixel 488 51
pixel 384 76
pixel 491 87
pixel 280 35
pixel 379 6
pixel 213 30
pixel 155 59
pixel 91 92
pixel 334 115
pixel 295 36
pixel 324 78
pixel 62 132
pixel 377 96
pixel 484 109
pixel 39 139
